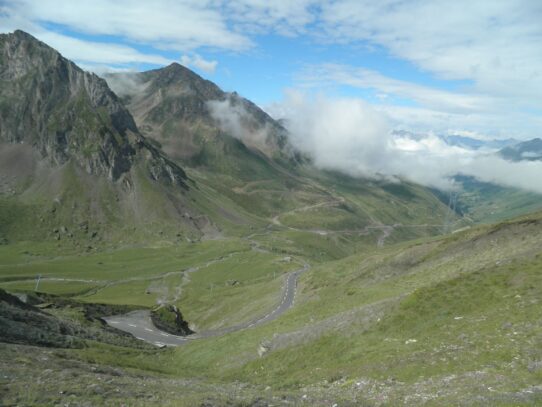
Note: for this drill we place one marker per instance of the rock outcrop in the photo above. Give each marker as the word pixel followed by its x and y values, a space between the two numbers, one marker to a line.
pixel 168 318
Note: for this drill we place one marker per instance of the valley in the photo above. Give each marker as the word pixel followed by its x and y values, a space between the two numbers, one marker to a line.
pixel 125 197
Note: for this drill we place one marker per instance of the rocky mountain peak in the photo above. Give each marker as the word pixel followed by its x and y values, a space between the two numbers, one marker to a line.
pixel 170 103
pixel 176 79
pixel 65 113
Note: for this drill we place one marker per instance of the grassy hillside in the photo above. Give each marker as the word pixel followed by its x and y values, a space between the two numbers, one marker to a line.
pixel 435 321
pixel 489 203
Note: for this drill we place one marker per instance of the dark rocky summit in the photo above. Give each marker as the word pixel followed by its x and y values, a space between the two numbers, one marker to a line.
pixel 68 114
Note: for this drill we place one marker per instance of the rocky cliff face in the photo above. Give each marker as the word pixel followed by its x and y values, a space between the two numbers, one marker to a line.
pixel 68 114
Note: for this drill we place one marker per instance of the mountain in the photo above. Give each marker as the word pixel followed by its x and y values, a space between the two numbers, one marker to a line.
pixel 304 287
pixel 465 142
pixel 72 160
pixel 525 151
pixel 475 144
pixel 233 147
pixel 174 101
pixel 66 114
pixel 174 158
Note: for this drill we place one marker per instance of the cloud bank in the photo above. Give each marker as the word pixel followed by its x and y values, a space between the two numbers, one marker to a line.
pixel 351 136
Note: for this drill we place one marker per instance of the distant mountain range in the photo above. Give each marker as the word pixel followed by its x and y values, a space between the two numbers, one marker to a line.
pixel 510 149
pixel 468 143
pixel 475 144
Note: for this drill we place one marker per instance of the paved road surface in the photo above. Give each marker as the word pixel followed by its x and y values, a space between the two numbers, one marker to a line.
pixel 139 324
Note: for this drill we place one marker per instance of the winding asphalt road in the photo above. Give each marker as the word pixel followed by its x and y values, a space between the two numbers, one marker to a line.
pixel 139 323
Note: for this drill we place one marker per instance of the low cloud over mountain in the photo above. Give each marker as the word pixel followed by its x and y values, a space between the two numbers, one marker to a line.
pixel 353 137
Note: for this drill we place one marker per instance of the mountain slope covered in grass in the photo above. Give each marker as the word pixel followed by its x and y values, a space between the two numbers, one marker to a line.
pixel 73 161
pixel 486 203
pixel 441 321
pixel 233 147
pixel 195 163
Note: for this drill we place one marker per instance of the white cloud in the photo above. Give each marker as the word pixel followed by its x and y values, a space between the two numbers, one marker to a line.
pixel 234 119
pixel 124 83
pixel 197 61
pixel 424 95
pixel 95 52
pixel 285 17
pixel 341 134
pixel 351 136
pixel 165 24
pixel 430 108
pixel 91 55
pixel 496 44
pixel 498 124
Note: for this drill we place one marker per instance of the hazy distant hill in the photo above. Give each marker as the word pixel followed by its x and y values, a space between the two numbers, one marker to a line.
pixel 530 150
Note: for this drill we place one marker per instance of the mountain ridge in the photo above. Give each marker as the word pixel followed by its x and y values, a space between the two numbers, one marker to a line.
pixel 157 96
pixel 67 113
pixel 170 124
pixel 81 160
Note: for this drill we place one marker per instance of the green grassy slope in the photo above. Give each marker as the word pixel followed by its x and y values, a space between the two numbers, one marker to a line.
pixel 488 203
pixel 440 321
pixel 216 283
pixel 460 312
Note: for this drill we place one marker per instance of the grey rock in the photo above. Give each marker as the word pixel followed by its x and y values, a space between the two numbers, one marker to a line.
pixel 70 115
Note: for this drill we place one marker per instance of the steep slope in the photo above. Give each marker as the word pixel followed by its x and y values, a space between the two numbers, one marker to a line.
pixel 67 114
pixel 441 322
pixel 73 162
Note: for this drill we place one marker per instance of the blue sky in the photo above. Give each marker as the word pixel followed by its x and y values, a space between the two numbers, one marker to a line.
pixel 461 67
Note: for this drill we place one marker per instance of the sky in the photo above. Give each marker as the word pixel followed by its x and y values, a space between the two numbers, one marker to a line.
pixel 463 67
pixel 440 66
